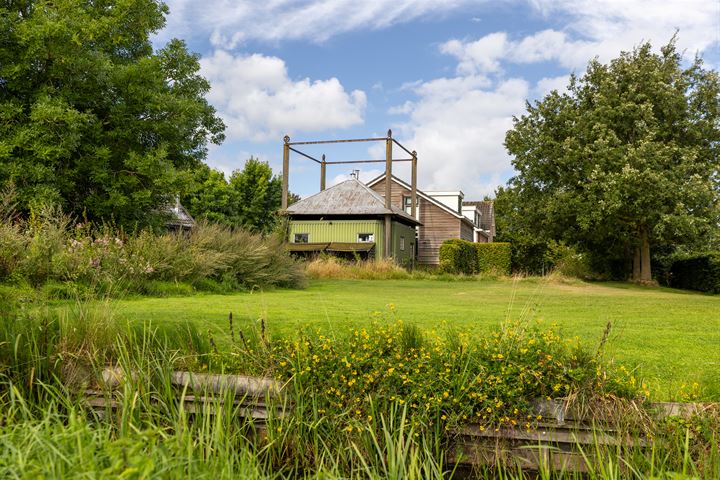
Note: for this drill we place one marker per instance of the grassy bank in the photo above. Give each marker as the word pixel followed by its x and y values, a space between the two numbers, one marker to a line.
pixel 671 336
pixel 379 401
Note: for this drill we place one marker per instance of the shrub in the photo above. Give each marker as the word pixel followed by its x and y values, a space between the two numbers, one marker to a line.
pixel 700 272
pixel 567 261
pixel 45 250
pixel 326 266
pixel 458 256
pixel 493 257
pixel 492 380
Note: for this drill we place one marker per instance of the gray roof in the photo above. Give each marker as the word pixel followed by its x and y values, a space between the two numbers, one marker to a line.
pixel 351 197
pixel 487 213
pixel 179 217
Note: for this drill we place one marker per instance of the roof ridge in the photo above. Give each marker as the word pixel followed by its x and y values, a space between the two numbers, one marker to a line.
pixel 422 193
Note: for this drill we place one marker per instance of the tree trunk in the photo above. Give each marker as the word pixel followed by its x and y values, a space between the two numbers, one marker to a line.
pixel 645 272
pixel 636 265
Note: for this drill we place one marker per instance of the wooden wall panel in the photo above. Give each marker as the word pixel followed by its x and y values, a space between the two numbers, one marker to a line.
pixel 437 224
pixel 467 232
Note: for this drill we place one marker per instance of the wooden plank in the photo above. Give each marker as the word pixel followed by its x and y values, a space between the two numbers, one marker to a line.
pixel 525 457
pixel 567 435
pixel 193 404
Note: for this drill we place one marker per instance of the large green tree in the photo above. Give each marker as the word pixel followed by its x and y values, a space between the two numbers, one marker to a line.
pixel 250 199
pixel 624 160
pixel 91 118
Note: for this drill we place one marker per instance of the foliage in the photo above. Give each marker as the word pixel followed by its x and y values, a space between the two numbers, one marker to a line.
pixel 91 119
pixel 67 260
pixel 380 401
pixel 567 261
pixel 493 257
pixel 259 193
pixel 698 272
pixel 458 256
pixel 624 160
pixel 528 247
pixel 251 199
pixel 376 269
pixel 332 267
pixel 461 256
pixel 688 337
pixel 490 381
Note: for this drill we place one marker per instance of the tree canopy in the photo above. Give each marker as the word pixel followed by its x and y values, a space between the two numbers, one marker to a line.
pixel 91 118
pixel 250 199
pixel 626 159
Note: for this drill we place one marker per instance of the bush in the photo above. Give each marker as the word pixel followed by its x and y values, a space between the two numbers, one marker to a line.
pixel 461 256
pixel 458 256
pixel 327 266
pixel 493 257
pixel 47 251
pixel 700 272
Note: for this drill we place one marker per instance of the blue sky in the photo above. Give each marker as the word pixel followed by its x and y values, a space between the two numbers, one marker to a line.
pixel 446 76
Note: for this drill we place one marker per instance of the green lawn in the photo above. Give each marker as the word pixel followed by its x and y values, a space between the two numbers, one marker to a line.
pixel 673 337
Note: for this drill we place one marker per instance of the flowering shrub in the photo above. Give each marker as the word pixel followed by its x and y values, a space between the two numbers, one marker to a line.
pixel 456 378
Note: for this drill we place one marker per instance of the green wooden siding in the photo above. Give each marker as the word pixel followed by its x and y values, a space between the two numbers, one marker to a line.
pixel 347 231
pixel 338 231
pixel 403 257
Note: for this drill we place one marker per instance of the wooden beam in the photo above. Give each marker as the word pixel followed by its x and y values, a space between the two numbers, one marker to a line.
pixel 352 140
pixel 323 165
pixel 369 161
pixel 388 192
pixel 413 183
pixel 304 154
pixel 285 172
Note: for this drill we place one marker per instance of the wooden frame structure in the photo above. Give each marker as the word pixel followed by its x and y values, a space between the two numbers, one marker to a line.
pixel 289 146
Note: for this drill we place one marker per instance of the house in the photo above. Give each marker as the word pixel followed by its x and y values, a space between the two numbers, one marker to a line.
pixel 351 218
pixel 440 213
pixel 474 214
pixel 179 219
pixel 486 209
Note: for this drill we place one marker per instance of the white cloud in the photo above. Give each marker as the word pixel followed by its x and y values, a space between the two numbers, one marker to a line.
pixel 364 175
pixel 230 22
pixel 613 26
pixel 593 28
pixel 487 54
pixel 548 84
pixel 482 55
pixel 258 101
pixel 458 124
pixel 459 134
pixel 403 109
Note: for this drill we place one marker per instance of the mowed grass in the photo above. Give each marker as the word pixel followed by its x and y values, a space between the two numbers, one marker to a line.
pixel 672 337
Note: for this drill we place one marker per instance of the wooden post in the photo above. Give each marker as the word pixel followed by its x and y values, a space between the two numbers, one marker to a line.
pixel 388 169
pixel 285 172
pixel 413 197
pixel 388 193
pixel 322 173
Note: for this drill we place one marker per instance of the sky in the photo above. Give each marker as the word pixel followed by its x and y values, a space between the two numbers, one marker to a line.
pixel 447 76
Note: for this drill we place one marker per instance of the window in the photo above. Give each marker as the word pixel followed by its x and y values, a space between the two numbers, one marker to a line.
pixel 402 243
pixel 302 237
pixel 366 237
pixel 407 203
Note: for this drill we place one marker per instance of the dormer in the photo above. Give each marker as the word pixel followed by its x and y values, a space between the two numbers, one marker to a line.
pixel 451 199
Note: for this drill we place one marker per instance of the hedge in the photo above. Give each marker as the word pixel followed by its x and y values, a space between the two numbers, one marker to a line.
pixel 700 272
pixel 494 257
pixel 460 256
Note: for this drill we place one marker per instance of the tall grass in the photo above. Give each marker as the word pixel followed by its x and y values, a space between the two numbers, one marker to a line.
pixel 329 267
pixel 385 428
pixel 68 259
